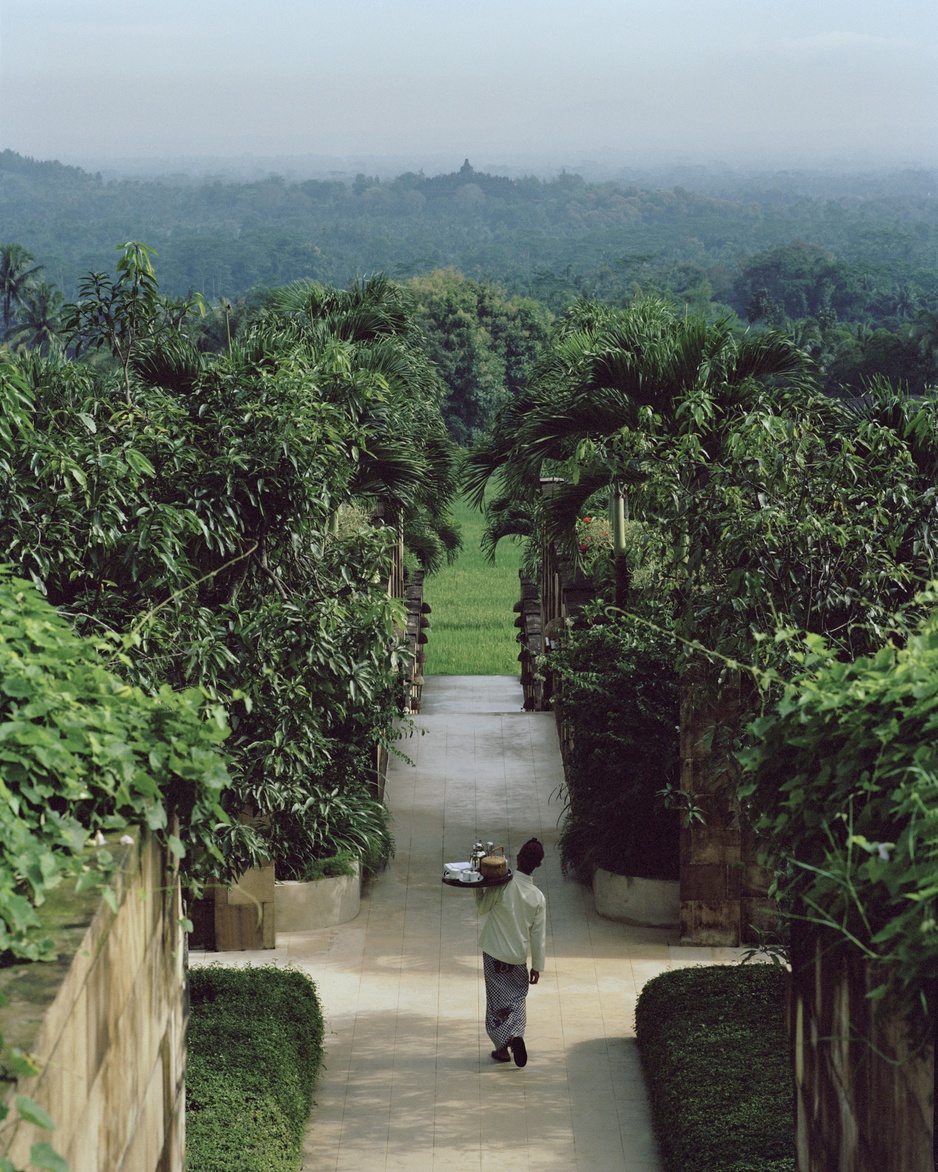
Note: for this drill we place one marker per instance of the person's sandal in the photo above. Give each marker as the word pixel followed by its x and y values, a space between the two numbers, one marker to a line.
pixel 519 1050
pixel 501 1055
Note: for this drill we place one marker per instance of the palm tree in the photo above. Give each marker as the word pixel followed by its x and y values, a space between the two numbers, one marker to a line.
pixel 364 354
pixel 367 310
pixel 39 319
pixel 925 332
pixel 367 334
pixel 15 278
pixel 612 378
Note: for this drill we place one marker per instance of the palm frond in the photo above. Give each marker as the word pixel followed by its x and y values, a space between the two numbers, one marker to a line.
pixel 565 504
pixel 390 470
pixel 505 517
pixel 171 362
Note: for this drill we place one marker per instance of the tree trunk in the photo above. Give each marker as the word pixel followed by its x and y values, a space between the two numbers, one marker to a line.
pixel 617 511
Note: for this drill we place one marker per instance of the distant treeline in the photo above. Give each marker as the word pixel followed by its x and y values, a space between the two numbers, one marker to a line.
pixel 551 239
pixel 854 276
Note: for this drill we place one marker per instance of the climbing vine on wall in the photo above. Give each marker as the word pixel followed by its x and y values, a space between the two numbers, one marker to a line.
pixel 843 776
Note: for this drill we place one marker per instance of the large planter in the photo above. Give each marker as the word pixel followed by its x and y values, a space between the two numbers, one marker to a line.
pixel 646 903
pixel 323 903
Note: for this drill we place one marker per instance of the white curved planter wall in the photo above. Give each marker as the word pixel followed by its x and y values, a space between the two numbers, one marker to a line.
pixel 647 903
pixel 304 907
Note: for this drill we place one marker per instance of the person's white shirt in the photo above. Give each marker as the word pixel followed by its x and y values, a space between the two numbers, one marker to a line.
pixel 515 920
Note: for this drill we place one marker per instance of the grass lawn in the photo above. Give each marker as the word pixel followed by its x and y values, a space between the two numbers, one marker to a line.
pixel 472 630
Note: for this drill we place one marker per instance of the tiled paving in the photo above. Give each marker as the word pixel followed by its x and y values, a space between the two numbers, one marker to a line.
pixel 409 1083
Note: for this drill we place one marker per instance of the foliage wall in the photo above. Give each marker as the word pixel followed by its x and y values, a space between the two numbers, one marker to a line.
pixel 185 506
pixel 617 688
pixel 780 516
pixel 843 774
pixel 85 754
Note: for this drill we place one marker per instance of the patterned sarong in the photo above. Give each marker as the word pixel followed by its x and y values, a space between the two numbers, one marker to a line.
pixel 506 987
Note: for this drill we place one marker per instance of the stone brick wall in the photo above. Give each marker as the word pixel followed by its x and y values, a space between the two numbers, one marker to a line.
pixel 244 912
pixel 863 1102
pixel 107 1023
pixel 418 623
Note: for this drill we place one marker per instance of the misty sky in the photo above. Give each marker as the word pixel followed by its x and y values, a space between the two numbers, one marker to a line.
pixel 811 80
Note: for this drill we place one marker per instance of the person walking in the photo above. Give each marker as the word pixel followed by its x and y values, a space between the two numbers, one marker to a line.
pixel 516 923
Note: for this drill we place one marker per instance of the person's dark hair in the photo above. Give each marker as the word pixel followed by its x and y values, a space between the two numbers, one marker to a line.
pixel 531 855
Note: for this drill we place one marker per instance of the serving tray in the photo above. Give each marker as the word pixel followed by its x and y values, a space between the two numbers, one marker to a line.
pixel 500 882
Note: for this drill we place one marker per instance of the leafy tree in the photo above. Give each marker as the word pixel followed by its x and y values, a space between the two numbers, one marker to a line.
pixel 897 357
pixel 120 314
pixel 799 280
pixel 195 514
pixel 483 342
pixel 842 773
pixel 925 333
pixel 815 516
pixel 763 307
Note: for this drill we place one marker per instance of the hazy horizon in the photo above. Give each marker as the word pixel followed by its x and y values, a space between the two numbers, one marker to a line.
pixel 749 84
pixel 631 167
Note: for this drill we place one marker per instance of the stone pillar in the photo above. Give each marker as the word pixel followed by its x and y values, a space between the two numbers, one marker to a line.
pixel 724 889
pixel 711 858
pixel 245 916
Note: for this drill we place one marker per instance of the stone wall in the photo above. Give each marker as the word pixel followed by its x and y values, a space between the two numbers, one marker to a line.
pixel 863 1102
pixel 107 1023
pixel 418 623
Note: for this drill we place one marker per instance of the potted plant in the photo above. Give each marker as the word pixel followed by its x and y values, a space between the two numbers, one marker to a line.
pixel 322 847
pixel 618 688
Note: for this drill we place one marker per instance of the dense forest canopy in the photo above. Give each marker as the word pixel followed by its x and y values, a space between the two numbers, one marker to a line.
pixel 550 238
pixel 851 271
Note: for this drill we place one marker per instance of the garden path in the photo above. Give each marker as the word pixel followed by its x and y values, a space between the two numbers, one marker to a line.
pixel 409 1083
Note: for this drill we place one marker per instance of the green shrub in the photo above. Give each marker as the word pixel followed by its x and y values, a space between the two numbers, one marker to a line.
pixel 716 1058
pixel 255 1048
pixel 338 816
pixel 619 690
pixel 336 867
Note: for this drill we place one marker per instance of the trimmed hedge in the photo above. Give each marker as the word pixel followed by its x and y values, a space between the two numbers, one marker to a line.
pixel 255 1049
pixel 715 1053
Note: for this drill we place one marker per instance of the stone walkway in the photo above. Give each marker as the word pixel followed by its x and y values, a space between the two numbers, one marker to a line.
pixel 408 1082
